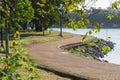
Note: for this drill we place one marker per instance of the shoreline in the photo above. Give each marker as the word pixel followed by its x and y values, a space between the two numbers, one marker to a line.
pixel 96 48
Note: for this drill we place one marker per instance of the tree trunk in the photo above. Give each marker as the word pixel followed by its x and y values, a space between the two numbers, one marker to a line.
pixel 61 35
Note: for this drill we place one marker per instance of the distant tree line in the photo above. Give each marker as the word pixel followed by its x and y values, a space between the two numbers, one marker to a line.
pixel 103 17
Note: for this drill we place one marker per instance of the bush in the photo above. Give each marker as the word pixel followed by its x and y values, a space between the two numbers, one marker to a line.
pixel 17 65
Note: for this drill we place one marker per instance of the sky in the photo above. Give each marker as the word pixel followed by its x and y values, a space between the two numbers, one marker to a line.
pixel 103 3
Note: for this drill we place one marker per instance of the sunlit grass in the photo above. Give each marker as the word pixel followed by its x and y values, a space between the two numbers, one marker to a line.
pixel 28 38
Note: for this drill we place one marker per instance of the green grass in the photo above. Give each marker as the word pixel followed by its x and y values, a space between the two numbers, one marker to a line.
pixel 78 53
pixel 32 37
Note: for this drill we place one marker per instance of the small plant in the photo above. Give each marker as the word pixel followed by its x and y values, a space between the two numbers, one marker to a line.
pixel 17 35
pixel 106 49
pixel 18 65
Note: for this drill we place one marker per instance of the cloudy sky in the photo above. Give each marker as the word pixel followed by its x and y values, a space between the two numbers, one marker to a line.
pixel 104 3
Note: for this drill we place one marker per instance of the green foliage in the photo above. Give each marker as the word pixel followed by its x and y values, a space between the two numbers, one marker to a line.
pixel 116 5
pixel 106 49
pixel 16 12
pixel 97 27
pixel 90 32
pixel 24 11
pixel 110 16
pixel 46 13
pixel 83 38
pixel 18 65
pixel 87 33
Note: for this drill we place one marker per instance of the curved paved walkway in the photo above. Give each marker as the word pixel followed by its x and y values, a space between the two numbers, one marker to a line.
pixel 52 56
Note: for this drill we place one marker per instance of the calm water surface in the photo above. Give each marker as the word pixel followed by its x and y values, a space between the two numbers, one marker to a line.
pixel 114 55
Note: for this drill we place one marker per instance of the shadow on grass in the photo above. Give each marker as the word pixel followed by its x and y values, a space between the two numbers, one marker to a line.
pixel 66 75
pixel 24 35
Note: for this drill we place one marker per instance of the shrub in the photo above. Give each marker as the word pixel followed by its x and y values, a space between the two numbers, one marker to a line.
pixel 17 65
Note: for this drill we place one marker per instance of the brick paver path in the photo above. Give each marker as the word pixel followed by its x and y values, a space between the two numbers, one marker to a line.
pixel 51 55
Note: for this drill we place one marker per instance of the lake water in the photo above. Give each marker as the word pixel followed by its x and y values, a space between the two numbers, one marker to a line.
pixel 114 34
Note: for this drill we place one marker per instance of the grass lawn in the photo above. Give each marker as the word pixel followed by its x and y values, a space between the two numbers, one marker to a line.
pixel 37 37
